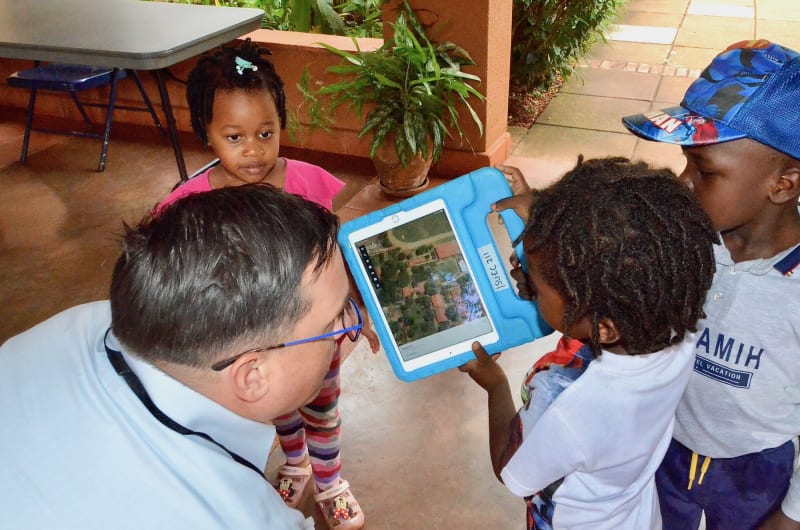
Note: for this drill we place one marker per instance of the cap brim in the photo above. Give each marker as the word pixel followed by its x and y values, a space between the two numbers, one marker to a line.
pixel 679 125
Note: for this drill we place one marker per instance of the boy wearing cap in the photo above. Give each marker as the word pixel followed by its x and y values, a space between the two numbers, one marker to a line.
pixel 733 448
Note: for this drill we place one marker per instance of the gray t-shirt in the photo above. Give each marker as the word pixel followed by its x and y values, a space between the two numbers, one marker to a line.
pixel 744 393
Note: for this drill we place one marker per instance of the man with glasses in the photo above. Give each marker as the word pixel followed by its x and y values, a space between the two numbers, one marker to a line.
pixel 153 409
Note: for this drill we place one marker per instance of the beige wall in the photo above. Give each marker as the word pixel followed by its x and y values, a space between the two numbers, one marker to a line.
pixel 482 27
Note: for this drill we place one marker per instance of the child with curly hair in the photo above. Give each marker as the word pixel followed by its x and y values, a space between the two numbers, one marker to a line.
pixel 620 256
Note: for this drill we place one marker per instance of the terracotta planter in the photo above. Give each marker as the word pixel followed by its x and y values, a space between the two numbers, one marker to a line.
pixel 396 180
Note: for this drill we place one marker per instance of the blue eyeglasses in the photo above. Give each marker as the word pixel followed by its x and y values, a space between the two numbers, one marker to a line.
pixel 350 314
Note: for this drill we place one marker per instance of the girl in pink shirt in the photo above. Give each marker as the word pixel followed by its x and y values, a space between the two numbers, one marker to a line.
pixel 238 108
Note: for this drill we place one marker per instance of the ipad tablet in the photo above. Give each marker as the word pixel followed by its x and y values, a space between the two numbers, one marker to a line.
pixel 431 272
pixel 423 285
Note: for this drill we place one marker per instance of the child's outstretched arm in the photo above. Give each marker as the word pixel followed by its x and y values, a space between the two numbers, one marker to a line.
pixel 485 371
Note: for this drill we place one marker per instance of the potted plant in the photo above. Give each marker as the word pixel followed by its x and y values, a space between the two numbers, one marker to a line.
pixel 412 89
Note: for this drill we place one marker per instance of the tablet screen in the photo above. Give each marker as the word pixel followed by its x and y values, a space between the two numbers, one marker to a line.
pixel 419 277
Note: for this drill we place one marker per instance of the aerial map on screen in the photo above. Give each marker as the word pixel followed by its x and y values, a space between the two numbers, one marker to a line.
pixel 423 284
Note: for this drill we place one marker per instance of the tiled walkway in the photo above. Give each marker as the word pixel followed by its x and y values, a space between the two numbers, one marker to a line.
pixel 656 49
pixel 416 454
pixel 652 53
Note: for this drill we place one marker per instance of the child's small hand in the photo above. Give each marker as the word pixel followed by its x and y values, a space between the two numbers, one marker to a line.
pixel 369 332
pixel 521 204
pixel 515 178
pixel 366 328
pixel 524 196
pixel 484 369
pixel 524 286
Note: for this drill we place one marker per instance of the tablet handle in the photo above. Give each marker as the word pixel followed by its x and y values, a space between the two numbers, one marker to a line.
pixel 514 227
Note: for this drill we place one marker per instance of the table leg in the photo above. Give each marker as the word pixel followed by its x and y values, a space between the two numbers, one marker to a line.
pixel 171 126
pixel 112 96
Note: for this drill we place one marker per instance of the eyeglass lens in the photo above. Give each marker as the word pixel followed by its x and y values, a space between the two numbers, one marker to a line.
pixel 350 319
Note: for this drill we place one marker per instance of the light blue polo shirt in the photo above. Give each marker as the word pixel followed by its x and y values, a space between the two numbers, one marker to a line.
pixel 80 451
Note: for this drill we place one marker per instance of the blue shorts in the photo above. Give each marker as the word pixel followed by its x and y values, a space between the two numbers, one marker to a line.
pixel 733 492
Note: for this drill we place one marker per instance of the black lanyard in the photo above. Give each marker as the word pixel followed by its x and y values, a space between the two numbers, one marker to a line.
pixel 136 386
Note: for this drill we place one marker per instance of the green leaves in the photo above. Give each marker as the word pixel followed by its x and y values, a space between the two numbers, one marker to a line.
pixel 383 80
pixel 413 87
pixel 358 18
pixel 300 15
pixel 549 36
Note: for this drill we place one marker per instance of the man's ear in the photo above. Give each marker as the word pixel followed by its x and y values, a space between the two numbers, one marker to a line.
pixel 247 377
pixel 607 331
pixel 787 185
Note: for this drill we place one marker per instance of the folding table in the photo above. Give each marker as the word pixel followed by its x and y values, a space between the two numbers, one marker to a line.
pixel 121 34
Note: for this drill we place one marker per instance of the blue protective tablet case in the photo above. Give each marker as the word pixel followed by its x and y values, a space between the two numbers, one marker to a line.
pixel 468 199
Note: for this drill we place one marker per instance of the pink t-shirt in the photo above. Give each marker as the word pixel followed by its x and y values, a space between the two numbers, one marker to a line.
pixel 306 180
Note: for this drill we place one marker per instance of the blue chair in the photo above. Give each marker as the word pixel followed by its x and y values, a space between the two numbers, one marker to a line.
pixel 74 78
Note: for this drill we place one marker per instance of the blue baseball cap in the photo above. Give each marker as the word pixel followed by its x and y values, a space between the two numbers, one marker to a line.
pixel 751 90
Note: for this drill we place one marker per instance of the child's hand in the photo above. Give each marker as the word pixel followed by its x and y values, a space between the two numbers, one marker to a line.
pixel 524 196
pixel 369 332
pixel 366 327
pixel 515 178
pixel 484 369
pixel 524 286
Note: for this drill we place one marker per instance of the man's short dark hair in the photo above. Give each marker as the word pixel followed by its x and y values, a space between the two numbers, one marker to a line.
pixel 217 271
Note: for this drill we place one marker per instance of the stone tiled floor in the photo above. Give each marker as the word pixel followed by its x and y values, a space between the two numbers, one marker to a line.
pixel 416 454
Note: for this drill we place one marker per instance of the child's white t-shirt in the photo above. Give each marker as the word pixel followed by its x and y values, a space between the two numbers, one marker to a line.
pixel 606 434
